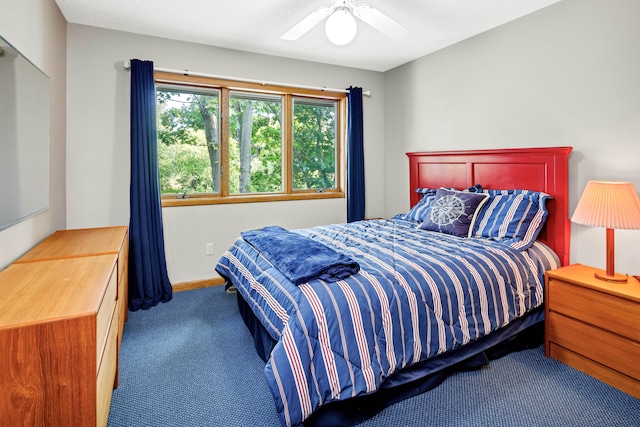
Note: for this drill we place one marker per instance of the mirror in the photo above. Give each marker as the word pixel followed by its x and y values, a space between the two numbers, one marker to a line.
pixel 24 137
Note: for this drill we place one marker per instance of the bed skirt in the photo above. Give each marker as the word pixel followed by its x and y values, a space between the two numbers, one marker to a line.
pixel 523 333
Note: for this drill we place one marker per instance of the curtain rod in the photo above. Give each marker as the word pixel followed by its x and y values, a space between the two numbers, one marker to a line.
pixel 127 65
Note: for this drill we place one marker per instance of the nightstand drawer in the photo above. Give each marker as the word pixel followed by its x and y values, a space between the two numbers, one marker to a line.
pixel 608 349
pixel 605 311
pixel 597 370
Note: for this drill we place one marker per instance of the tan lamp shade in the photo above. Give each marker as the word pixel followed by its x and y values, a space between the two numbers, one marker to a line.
pixel 609 205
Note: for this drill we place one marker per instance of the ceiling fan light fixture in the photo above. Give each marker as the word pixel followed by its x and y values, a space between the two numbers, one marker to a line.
pixel 341 26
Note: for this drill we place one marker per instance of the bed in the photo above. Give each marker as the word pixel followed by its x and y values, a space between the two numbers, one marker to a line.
pixel 431 293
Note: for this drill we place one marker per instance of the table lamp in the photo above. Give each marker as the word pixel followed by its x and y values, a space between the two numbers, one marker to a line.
pixel 609 205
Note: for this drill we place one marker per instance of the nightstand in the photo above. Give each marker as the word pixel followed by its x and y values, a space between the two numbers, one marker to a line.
pixel 594 326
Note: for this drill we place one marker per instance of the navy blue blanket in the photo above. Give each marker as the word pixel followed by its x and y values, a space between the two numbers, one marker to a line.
pixel 300 258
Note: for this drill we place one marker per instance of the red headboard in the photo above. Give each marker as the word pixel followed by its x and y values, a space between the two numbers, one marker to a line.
pixel 536 169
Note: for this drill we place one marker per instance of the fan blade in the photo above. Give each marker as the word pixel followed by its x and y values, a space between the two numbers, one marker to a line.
pixel 381 22
pixel 311 20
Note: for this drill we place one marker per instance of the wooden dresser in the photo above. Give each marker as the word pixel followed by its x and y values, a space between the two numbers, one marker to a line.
pixel 62 313
pixel 594 325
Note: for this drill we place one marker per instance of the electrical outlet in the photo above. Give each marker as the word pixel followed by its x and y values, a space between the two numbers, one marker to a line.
pixel 209 249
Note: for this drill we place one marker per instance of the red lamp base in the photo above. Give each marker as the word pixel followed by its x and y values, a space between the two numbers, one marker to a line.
pixel 615 278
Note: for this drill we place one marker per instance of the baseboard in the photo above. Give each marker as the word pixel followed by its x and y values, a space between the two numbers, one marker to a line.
pixel 196 284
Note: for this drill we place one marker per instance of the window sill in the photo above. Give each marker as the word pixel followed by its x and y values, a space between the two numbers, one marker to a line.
pixel 171 201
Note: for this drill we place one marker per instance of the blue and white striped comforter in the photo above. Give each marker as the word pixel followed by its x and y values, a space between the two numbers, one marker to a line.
pixel 418 294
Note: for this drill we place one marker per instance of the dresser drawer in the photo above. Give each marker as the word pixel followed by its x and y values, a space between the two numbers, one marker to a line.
pixel 105 315
pixel 106 375
pixel 608 349
pixel 123 259
pixel 123 278
pixel 123 296
pixel 605 311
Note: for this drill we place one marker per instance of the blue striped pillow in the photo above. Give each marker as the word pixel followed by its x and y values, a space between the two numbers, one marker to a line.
pixel 420 210
pixel 514 217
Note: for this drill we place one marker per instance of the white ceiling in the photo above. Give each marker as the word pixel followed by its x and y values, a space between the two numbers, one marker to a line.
pixel 256 25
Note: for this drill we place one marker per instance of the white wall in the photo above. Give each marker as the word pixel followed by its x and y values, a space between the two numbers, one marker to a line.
pixel 98 142
pixel 568 75
pixel 38 30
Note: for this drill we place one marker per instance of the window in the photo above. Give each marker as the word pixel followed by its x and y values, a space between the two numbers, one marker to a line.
pixel 314 144
pixel 227 142
pixel 255 143
pixel 188 140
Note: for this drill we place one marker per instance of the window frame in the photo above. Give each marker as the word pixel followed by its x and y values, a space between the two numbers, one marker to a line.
pixel 173 80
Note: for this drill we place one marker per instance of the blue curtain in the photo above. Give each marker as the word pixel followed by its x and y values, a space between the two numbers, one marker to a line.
pixel 148 280
pixel 355 156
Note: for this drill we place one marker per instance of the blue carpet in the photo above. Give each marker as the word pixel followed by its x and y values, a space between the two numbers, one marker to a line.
pixel 191 362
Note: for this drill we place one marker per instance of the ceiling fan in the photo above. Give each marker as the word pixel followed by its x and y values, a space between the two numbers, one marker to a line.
pixel 341 26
